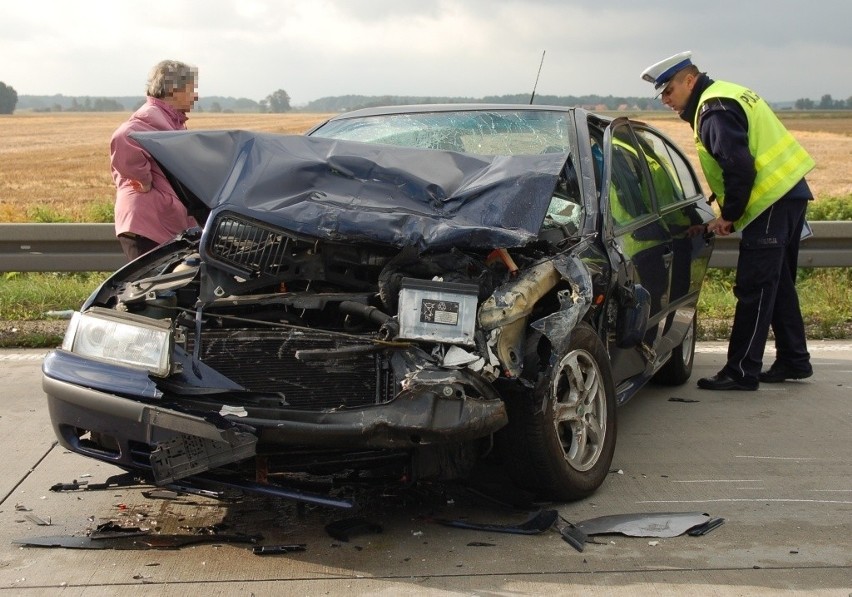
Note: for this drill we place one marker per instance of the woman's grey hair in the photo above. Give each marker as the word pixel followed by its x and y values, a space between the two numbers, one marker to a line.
pixel 168 76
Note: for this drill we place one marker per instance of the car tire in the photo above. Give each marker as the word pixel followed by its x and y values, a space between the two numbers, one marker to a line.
pixel 560 440
pixel 678 368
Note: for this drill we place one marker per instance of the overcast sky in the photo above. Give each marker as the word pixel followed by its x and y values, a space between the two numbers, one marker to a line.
pixel 783 49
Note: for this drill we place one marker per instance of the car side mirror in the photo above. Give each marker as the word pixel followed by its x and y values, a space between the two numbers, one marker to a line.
pixel 633 312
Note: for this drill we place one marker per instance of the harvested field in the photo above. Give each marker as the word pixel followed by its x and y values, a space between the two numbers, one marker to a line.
pixel 59 163
pixel 56 165
pixel 828 140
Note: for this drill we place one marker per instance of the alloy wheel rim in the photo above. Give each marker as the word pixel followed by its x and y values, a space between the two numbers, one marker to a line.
pixel 579 409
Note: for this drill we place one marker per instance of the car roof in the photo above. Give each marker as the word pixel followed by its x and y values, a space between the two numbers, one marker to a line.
pixel 420 108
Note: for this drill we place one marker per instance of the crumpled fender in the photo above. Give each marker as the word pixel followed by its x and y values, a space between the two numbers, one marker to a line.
pixel 505 312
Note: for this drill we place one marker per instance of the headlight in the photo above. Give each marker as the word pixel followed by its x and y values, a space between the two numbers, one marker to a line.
pixel 121 338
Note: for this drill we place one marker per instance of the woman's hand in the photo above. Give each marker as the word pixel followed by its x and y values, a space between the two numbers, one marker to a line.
pixel 139 186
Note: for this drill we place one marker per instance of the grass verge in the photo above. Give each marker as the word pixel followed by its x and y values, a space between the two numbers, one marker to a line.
pixel 27 301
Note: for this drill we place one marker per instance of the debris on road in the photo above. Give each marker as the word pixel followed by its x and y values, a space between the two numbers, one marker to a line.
pixel 268 550
pixel 538 523
pixel 648 524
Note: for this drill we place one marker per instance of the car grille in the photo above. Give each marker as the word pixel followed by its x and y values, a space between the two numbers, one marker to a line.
pixel 264 361
pixel 251 246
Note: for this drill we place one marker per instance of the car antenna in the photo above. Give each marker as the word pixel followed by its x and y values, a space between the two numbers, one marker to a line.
pixel 532 97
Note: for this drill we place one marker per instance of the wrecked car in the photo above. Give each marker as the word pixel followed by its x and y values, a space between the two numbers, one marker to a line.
pixel 404 291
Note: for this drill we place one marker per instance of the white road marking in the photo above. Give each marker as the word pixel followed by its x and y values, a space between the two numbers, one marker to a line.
pixel 721 481
pixel 782 500
pixel 22 357
pixel 776 458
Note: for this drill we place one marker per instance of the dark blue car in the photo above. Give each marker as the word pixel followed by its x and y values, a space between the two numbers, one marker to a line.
pixel 407 288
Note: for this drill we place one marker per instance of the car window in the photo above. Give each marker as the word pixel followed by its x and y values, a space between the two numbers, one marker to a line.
pixel 485 132
pixel 629 197
pixel 672 178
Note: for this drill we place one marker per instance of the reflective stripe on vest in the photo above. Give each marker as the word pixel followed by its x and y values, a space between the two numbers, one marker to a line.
pixel 780 161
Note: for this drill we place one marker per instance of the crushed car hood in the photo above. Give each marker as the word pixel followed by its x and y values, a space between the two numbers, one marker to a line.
pixel 347 190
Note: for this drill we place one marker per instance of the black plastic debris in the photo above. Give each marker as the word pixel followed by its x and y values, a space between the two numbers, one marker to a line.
pixel 72 486
pixel 178 541
pixel 538 523
pixel 112 530
pixel 573 536
pixel 161 494
pixel 133 542
pixel 271 550
pixel 705 528
pixel 481 544
pixel 345 529
pixel 120 480
pixel 675 399
pixel 649 524
pixel 66 541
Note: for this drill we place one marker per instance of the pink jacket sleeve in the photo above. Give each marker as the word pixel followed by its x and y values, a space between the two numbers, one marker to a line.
pixel 129 160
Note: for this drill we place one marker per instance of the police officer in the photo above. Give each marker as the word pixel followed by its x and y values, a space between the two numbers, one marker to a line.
pixel 755 169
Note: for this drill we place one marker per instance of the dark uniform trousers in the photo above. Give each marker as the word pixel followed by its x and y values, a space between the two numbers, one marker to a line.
pixel 766 292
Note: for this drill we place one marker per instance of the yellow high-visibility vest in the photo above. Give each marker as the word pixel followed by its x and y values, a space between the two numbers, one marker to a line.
pixel 780 161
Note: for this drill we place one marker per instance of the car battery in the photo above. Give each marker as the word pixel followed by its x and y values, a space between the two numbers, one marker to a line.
pixel 437 311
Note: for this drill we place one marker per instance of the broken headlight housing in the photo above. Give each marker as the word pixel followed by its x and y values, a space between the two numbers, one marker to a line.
pixel 121 338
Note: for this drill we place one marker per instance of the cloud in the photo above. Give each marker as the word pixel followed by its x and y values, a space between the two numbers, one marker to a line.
pixel 471 48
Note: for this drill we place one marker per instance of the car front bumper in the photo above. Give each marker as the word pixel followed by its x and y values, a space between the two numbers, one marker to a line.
pixel 89 417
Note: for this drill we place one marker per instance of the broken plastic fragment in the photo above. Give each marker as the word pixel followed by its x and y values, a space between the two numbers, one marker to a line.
pixel 540 522
pixel 37 520
pixel 269 550
pixel 73 485
pixel 458 357
pixel 705 528
pixel 237 411
pixel 662 524
pixel 572 535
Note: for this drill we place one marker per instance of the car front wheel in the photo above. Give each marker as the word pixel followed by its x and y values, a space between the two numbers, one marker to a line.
pixel 560 440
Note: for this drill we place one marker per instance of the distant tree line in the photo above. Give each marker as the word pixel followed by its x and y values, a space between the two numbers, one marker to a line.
pixel 87 104
pixel 342 103
pixel 825 103
pixel 279 101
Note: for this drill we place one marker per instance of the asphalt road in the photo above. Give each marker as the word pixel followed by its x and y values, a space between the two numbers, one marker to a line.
pixel 775 464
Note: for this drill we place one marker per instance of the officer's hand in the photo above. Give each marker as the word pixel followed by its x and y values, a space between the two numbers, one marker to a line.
pixel 720 227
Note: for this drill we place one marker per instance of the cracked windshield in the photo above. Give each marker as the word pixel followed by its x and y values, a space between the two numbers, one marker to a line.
pixel 488 133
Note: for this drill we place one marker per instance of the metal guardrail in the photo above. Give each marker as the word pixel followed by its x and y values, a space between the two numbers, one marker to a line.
pixel 94 248
pixel 830 246
pixel 59 248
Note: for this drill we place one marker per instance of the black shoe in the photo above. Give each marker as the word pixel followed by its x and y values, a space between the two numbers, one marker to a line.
pixel 779 372
pixel 721 381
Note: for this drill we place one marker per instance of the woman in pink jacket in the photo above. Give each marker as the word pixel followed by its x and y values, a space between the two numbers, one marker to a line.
pixel 147 210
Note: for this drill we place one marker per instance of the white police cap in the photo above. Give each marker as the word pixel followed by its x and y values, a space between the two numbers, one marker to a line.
pixel 662 72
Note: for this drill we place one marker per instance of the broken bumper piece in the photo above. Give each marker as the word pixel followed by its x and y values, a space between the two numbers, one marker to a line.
pixel 141 436
pixel 187 455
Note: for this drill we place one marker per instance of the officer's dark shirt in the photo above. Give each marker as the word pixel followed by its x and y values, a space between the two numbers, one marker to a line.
pixel 723 130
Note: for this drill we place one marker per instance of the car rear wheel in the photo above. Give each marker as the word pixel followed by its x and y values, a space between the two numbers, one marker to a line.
pixel 678 369
pixel 560 440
